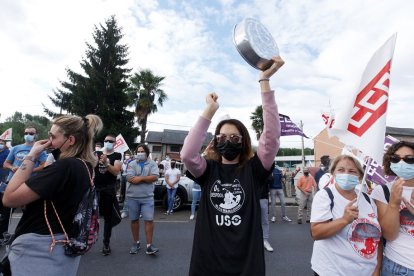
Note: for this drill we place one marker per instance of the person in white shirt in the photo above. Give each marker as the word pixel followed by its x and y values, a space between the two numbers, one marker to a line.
pixel 172 176
pixel 344 226
pixel 395 203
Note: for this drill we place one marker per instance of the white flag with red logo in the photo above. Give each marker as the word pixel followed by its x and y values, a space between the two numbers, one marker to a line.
pixel 362 122
pixel 7 135
pixel 120 144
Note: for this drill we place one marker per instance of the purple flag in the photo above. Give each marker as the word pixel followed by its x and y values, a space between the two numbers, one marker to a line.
pixel 375 172
pixel 288 127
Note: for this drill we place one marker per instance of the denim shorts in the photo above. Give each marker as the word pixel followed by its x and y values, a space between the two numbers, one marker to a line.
pixel 390 268
pixel 141 206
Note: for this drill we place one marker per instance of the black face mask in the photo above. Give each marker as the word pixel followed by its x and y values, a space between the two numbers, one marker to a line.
pixel 229 150
pixel 56 152
pixel 306 173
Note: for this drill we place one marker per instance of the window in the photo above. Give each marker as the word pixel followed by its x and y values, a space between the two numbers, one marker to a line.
pixel 156 148
pixel 175 148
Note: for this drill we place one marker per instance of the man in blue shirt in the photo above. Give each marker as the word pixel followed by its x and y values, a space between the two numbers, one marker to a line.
pixel 13 162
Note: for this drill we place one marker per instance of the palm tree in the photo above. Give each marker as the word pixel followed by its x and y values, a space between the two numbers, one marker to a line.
pixel 145 94
pixel 257 121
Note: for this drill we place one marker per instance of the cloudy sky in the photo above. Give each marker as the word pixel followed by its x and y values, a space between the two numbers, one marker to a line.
pixel 326 46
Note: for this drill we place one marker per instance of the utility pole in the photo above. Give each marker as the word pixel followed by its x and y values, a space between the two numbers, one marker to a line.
pixel 303 146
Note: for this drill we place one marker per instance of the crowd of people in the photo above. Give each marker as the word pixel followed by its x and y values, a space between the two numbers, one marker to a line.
pixel 355 230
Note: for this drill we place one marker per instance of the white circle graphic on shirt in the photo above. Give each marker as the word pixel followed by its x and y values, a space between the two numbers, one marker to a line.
pixel 407 222
pixel 227 198
pixel 364 237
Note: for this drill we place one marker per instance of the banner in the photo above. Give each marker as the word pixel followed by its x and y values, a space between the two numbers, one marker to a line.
pixel 288 127
pixel 363 120
pixel 375 172
pixel 120 144
pixel 7 135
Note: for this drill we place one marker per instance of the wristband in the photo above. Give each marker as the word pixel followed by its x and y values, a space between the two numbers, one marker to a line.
pixel 265 79
pixel 30 158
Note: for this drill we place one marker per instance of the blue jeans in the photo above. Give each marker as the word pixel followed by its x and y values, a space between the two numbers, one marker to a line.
pixel 196 197
pixel 171 196
pixel 390 268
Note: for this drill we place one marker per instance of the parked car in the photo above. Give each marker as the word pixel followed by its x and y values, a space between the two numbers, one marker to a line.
pixel 184 193
pixel 183 196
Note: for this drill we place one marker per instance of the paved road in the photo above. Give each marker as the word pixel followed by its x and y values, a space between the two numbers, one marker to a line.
pixel 174 236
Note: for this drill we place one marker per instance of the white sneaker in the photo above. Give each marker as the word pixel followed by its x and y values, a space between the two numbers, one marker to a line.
pixel 285 218
pixel 273 219
pixel 267 246
pixel 191 217
pixel 124 215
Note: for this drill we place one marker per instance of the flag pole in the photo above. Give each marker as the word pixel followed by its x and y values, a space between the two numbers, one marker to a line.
pixel 363 179
pixel 303 146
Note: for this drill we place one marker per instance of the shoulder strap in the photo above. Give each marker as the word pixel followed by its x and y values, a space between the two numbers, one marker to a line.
pixel 367 197
pixel 386 192
pixel 331 196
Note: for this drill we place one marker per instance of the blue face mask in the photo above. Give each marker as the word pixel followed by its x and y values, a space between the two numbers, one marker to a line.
pixel 403 170
pixel 347 181
pixel 109 146
pixel 1 146
pixel 29 138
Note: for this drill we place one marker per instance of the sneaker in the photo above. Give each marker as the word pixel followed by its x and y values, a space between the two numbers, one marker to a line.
pixel 124 215
pixel 106 250
pixel 299 221
pixel 191 217
pixel 166 213
pixel 151 250
pixel 273 219
pixel 267 246
pixel 285 218
pixel 135 248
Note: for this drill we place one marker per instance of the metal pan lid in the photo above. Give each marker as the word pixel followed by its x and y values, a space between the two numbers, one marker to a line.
pixel 255 43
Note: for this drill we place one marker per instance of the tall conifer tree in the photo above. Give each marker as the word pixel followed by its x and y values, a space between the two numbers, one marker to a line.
pixel 101 87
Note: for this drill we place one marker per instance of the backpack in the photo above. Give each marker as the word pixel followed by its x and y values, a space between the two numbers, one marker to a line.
pixel 85 224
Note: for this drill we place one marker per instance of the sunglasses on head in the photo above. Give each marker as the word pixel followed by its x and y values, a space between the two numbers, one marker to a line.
pixel 409 159
pixel 233 138
pixel 29 133
pixel 109 141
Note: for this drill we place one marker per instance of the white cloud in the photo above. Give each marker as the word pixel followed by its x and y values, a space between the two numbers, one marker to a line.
pixel 326 45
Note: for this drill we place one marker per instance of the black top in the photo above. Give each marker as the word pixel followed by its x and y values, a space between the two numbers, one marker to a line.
pixel 103 178
pixel 63 182
pixel 228 237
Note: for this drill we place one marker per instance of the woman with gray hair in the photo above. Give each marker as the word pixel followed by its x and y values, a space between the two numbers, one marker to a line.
pixel 58 189
pixel 344 226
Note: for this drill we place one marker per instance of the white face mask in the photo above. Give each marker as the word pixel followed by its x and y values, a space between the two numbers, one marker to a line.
pixel 140 156
pixel 98 149
pixel 127 157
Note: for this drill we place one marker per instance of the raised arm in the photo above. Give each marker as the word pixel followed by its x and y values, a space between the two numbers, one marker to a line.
pixel 190 155
pixel 270 139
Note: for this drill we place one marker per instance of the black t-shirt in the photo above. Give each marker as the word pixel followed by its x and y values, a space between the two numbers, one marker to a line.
pixel 103 178
pixel 63 182
pixel 228 237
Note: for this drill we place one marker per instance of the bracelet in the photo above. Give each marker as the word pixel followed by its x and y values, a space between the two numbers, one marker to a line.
pixel 266 79
pixel 30 158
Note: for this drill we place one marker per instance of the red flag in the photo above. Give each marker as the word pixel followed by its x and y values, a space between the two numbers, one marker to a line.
pixel 7 135
pixel 362 122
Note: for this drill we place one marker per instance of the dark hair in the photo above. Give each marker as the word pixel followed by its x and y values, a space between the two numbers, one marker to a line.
pixel 31 126
pixel 99 143
pixel 246 152
pixel 111 135
pixel 325 160
pixel 391 151
pixel 145 147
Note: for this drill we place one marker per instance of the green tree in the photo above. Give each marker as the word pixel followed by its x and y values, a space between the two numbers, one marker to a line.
pixel 145 95
pixel 18 122
pixel 257 121
pixel 101 88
